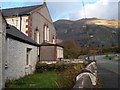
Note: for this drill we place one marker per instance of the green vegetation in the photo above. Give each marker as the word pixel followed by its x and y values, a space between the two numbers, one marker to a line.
pixel 71 49
pixel 108 57
pixel 118 60
pixel 60 75
pixel 111 49
pixel 66 72
pixel 67 77
pixel 37 80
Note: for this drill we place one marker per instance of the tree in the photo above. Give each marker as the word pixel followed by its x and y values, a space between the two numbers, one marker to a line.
pixel 71 49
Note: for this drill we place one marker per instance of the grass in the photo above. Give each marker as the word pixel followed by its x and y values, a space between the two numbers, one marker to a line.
pixel 37 80
pixel 52 76
pixel 118 61
pixel 108 57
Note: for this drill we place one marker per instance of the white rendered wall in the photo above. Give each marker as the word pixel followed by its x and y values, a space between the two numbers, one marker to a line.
pixel 15 21
pixel 59 52
pixel 16 59
pixel 23 24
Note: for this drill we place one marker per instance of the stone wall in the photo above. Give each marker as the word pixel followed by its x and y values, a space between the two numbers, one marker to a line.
pixel 2 51
pixel 39 19
pixel 88 77
pixel 16 66
pixel 47 53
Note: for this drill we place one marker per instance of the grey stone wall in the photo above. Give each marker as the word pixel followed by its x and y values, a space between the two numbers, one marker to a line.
pixel 47 53
pixel 16 59
pixel 2 51
pixel 39 19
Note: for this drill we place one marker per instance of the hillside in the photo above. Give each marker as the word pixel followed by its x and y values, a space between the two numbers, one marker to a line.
pixel 104 32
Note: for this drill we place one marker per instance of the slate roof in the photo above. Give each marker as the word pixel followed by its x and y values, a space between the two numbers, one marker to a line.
pixel 15 34
pixel 20 11
pixel 50 44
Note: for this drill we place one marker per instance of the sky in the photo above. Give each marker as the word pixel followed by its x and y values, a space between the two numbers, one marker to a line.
pixel 72 9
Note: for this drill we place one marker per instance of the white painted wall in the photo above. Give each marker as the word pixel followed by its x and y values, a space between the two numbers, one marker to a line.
pixel 16 59
pixel 59 52
pixel 15 21
pixel 23 25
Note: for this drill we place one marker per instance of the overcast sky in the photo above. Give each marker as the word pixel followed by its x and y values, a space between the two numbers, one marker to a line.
pixel 72 9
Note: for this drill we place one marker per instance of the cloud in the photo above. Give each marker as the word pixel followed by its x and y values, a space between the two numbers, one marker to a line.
pixel 104 9
pixel 73 9
pixel 62 10
pixel 101 9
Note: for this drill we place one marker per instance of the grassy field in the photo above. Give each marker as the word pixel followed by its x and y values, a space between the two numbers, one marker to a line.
pixel 38 80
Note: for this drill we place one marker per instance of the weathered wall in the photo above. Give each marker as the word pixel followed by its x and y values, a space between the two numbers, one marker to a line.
pixel 47 53
pixel 2 51
pixel 39 19
pixel 16 59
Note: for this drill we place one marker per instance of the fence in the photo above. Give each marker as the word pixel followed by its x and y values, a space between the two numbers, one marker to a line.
pixel 88 77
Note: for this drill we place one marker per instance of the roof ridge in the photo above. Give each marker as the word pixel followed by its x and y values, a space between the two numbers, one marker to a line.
pixel 19 10
pixel 21 7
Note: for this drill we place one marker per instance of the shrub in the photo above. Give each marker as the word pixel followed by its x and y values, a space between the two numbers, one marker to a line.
pixel 67 78
pixel 41 67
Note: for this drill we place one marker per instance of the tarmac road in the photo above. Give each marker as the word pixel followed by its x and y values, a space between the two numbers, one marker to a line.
pixel 108 73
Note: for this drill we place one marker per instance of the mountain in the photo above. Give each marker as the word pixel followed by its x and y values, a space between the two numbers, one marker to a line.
pixel 89 31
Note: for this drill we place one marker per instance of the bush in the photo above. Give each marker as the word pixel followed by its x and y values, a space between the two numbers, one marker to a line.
pixel 111 50
pixel 71 49
pixel 67 78
pixel 41 67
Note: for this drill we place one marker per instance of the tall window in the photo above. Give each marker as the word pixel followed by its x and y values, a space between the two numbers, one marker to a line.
pixel 53 39
pixel 36 35
pixel 46 33
pixel 28 55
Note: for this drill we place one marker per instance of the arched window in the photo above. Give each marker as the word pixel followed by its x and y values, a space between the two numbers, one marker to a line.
pixel 53 39
pixel 46 33
pixel 36 35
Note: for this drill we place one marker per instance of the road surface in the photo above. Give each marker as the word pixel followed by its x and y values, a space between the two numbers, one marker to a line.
pixel 108 72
